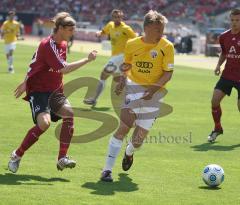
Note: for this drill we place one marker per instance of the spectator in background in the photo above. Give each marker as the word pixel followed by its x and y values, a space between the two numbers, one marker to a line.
pixel 40 28
pixel 171 37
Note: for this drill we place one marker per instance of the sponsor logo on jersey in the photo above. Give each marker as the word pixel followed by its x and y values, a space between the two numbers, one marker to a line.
pixel 54 71
pixel 143 70
pixel 142 64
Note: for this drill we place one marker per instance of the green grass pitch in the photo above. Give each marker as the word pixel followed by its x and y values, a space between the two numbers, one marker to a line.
pixel 166 172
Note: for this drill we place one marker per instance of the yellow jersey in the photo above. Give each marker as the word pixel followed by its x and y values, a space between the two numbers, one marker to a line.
pixel 119 35
pixel 148 61
pixel 10 30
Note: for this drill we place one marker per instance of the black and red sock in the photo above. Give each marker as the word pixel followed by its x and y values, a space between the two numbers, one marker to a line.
pixel 217 113
pixel 65 136
pixel 31 137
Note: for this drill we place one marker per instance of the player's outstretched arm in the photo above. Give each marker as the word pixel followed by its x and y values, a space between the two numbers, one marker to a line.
pixel 122 79
pixel 167 75
pixel 99 34
pixel 77 64
pixel 21 88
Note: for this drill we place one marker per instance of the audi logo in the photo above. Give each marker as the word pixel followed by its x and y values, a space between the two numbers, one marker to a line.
pixel 142 64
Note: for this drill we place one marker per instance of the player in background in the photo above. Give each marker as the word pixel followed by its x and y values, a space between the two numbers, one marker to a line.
pixel 44 88
pixel 10 30
pixel 148 66
pixel 230 78
pixel 119 34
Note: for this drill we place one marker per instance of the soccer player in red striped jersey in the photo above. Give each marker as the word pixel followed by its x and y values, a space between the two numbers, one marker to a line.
pixel 44 91
pixel 230 78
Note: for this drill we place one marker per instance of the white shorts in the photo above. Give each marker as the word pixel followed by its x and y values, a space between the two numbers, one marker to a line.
pixel 147 111
pixel 9 47
pixel 113 64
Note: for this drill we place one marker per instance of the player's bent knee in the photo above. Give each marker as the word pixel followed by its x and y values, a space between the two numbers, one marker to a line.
pixel 44 125
pixel 69 113
pixel 44 121
pixel 104 75
pixel 137 145
pixel 215 102
pixel 110 68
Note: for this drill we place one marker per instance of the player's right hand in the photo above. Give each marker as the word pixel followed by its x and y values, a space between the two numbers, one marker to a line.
pixel 20 89
pixel 125 67
pixel 217 70
pixel 98 34
pixel 92 56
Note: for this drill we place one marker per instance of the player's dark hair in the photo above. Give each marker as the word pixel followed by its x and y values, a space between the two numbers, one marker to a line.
pixel 11 12
pixel 154 17
pixel 117 11
pixel 63 19
pixel 235 12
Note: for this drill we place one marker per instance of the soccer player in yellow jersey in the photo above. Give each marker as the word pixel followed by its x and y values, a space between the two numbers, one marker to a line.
pixel 119 34
pixel 148 66
pixel 10 30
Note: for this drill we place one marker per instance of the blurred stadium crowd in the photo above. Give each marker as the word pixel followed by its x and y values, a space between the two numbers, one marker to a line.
pixel 189 19
pixel 96 10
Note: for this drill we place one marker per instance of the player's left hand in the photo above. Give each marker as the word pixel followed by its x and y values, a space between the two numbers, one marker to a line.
pixel 147 95
pixel 149 92
pixel 125 67
pixel 119 88
pixel 20 89
pixel 92 55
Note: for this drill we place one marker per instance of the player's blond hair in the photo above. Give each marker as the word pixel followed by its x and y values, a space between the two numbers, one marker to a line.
pixel 63 19
pixel 154 17
pixel 235 12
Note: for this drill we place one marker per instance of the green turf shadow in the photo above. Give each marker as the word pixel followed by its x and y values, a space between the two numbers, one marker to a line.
pixel 124 184
pixel 211 146
pixel 16 179
pixel 210 188
pixel 103 109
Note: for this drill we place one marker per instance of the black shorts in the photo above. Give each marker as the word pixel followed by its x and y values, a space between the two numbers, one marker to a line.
pixel 226 86
pixel 48 102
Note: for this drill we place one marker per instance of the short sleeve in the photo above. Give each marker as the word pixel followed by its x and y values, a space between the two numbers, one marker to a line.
pixel 3 27
pixel 221 41
pixel 53 58
pixel 168 58
pixel 106 28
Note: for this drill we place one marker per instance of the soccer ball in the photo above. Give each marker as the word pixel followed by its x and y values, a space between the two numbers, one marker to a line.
pixel 213 175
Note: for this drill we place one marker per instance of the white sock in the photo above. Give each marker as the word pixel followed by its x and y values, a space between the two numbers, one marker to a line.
pixel 100 88
pixel 114 148
pixel 130 149
pixel 10 61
